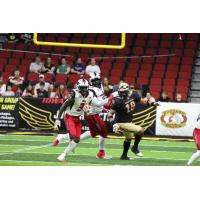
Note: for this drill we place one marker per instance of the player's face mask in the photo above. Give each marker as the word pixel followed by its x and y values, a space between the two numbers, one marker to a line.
pixel 83 90
pixel 96 83
pixel 123 94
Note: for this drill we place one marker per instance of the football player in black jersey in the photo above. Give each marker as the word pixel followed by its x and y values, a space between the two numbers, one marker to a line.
pixel 123 108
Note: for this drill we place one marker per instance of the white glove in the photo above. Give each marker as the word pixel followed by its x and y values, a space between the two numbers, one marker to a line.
pixel 87 108
pixel 57 124
pixel 115 128
pixel 115 94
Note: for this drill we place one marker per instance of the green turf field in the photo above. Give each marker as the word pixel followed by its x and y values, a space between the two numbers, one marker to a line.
pixel 18 150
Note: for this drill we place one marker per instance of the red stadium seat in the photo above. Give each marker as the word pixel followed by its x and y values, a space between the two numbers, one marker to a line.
pixel 165 44
pixel 184 75
pixel 169 88
pixel 5 76
pixel 138 51
pixel 191 44
pixel 167 36
pixel 10 68
pixel 155 81
pixel 177 52
pixel 142 36
pixel 144 73
pixel 149 60
pixel 129 80
pixel 171 74
pixel 18 55
pixel 14 61
pixel 189 52
pixel 169 81
pixel 140 43
pixel 155 88
pixel 48 77
pixel 183 82
pixel 73 78
pixel 182 89
pixel 153 43
pixel 5 54
pixel 159 67
pixel 114 80
pixel 3 61
pixel 142 81
pixel 158 74
pixel 172 67
pixel 33 77
pixel 174 60
pixel 151 51
pixel 61 78
pixel 186 68
pixel 187 60
pixel 163 59
pixel 146 67
pixel 23 68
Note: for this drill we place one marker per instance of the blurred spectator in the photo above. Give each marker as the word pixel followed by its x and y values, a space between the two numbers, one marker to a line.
pixel 132 88
pixel 107 87
pixel 49 67
pixel 2 86
pixel 164 97
pixel 62 92
pixel 149 99
pixel 29 91
pixel 41 92
pixel 78 67
pixel 178 98
pixel 52 91
pixel 27 38
pixel 18 92
pixel 41 79
pixel 36 66
pixel 16 79
pixel 92 67
pixel 12 37
pixel 8 92
pixel 63 68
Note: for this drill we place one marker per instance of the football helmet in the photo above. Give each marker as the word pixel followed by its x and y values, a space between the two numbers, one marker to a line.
pixel 95 80
pixel 123 90
pixel 83 86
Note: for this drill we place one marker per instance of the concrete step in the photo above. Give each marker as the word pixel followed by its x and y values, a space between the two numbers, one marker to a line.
pixel 195 85
pixel 195 94
pixel 196 70
pixel 196 77
pixel 195 100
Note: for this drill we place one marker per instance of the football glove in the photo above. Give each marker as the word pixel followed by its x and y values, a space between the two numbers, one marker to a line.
pixel 115 128
pixel 57 124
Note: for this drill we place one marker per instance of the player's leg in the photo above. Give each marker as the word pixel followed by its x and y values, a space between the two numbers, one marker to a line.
pixel 74 125
pixel 103 134
pixel 138 137
pixel 196 155
pixel 126 146
pixel 61 137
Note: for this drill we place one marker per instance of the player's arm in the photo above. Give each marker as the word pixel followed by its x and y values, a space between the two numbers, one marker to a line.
pixel 68 102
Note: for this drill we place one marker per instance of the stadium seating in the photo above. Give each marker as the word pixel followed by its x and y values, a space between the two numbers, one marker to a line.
pixel 171 70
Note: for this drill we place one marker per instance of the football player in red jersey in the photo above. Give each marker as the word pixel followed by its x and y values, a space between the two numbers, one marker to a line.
pixel 196 136
pixel 74 108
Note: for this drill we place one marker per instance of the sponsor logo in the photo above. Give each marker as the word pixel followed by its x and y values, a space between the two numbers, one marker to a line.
pixel 173 118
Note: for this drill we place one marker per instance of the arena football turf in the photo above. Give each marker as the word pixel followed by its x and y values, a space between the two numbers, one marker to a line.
pixel 31 150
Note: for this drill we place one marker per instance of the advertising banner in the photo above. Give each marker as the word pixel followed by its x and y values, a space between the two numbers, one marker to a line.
pixel 9 112
pixel 176 119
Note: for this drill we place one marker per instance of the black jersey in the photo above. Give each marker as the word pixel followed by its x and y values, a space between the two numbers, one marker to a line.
pixel 124 108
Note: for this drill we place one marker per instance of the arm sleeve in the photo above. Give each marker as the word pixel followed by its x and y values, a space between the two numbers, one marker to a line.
pixel 69 101
pixel 96 102
pixel 136 96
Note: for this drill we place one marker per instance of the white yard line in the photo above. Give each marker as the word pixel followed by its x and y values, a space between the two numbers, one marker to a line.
pixel 98 143
pixel 29 161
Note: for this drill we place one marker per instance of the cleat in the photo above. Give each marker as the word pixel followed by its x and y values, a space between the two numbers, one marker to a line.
pixel 136 152
pixel 124 158
pixel 55 143
pixel 61 158
pixel 102 155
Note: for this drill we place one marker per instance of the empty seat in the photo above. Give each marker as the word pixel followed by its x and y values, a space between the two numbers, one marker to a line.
pixel 187 60
pixel 155 81
pixel 184 75
pixel 171 74
pixel 183 82
pixel 33 77
pixel 169 81
pixel 10 68
pixel 61 78
pixel 142 81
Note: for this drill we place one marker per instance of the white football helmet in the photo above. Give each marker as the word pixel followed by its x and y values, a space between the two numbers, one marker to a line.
pixel 95 79
pixel 123 89
pixel 82 85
